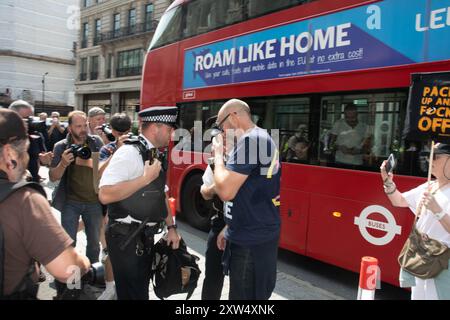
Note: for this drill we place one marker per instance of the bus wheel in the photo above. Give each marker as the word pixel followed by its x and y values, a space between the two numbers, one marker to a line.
pixel 194 208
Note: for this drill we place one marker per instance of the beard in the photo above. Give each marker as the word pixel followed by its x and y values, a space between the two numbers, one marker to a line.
pixel 80 137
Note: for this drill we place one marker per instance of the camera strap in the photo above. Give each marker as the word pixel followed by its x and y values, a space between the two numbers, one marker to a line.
pixel 96 177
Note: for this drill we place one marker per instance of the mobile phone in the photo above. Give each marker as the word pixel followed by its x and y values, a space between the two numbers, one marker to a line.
pixel 390 164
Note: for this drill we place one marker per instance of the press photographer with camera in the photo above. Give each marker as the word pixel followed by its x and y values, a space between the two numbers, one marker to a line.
pixel 75 194
pixel 28 230
pixel 37 134
pixel 133 187
pixel 96 121
pixel 117 132
pixel 56 131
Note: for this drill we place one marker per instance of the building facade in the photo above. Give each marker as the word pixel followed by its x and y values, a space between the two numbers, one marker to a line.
pixel 37 61
pixel 114 37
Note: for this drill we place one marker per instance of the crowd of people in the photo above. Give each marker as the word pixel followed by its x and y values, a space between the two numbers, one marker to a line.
pixel 110 184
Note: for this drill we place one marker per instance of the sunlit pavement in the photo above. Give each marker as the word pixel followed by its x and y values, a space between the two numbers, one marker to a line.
pixel 288 287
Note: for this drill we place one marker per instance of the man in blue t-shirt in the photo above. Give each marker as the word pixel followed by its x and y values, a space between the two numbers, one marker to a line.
pixel 250 186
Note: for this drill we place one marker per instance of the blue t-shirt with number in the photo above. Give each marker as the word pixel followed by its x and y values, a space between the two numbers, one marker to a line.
pixel 253 215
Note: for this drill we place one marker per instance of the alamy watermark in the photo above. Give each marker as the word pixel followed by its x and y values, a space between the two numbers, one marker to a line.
pixel 194 147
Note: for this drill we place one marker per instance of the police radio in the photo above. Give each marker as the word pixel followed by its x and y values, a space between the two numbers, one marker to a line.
pixel 149 154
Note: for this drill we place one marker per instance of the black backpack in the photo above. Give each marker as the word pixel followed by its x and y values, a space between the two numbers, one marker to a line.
pixel 173 271
pixel 6 189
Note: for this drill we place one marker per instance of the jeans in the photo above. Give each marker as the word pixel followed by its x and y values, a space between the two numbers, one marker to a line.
pixel 253 270
pixel 91 213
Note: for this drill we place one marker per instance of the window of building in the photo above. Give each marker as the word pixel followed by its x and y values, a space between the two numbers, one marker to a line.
pixel 94 68
pixel 83 69
pixel 98 31
pixel 129 63
pixel 85 35
pixel 148 16
pixel 132 20
pixel 116 26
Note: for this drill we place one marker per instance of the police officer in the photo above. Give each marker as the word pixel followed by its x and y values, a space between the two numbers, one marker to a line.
pixel 134 188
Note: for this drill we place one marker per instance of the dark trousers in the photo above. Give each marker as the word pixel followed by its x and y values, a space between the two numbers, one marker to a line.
pixel 253 270
pixel 213 283
pixel 131 272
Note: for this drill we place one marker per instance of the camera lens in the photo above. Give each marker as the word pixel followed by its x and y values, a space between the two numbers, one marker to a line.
pixel 84 153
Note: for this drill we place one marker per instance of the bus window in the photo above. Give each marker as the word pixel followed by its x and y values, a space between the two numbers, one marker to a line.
pixel 191 116
pixel 206 15
pixel 292 119
pixel 258 8
pixel 360 131
pixel 169 28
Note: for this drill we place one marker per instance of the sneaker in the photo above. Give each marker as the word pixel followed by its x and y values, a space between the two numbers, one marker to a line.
pixel 108 294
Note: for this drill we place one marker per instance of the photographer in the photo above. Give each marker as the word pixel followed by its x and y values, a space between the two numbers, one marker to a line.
pixel 75 194
pixel 56 132
pixel 37 135
pixel 30 231
pixel 120 126
pixel 135 218
pixel 96 119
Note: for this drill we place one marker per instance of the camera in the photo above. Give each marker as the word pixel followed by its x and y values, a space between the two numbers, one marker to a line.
pixel 96 275
pixel 36 126
pixel 83 152
pixel 108 132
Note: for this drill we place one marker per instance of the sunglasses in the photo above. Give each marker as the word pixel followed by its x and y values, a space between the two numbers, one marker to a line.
pixel 218 126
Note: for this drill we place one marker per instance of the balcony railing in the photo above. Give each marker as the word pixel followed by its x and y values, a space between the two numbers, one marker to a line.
pixel 83 76
pixel 84 43
pixel 97 40
pixel 128 72
pixel 94 75
pixel 129 31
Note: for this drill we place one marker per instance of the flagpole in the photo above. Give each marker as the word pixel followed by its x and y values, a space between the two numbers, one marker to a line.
pixel 430 163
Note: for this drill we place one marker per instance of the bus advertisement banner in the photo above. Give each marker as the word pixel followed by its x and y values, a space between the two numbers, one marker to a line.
pixel 383 34
pixel 428 114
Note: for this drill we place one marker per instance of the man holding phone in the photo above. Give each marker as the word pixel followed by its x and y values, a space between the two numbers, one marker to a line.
pixel 56 132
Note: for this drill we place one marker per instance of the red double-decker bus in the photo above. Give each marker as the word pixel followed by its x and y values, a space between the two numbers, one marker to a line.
pixel 299 64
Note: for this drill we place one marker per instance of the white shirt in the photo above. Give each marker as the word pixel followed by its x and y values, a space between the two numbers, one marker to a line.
pixel 126 164
pixel 208 177
pixel 427 222
pixel 350 138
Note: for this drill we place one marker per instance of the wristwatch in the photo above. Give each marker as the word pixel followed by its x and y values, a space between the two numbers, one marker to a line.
pixel 173 226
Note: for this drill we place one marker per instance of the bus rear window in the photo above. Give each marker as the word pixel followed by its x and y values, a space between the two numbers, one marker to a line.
pixel 169 28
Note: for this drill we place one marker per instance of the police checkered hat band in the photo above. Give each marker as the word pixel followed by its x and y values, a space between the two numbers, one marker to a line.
pixel 167 115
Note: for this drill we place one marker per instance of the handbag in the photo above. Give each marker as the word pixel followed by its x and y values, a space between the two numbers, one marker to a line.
pixel 422 256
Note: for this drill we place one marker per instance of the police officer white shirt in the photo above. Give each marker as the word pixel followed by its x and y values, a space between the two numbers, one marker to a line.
pixel 126 164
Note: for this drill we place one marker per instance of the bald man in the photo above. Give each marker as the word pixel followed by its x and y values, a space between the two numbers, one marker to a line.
pixel 249 184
